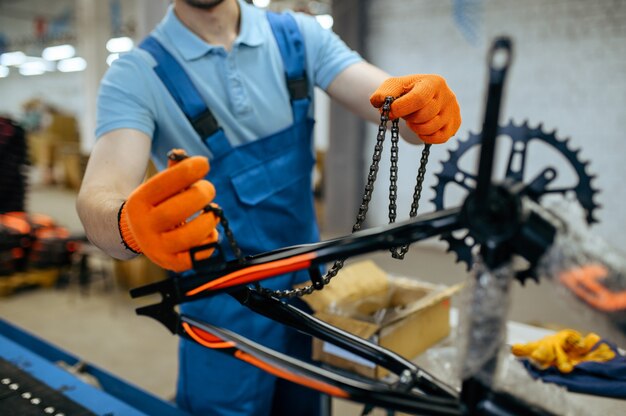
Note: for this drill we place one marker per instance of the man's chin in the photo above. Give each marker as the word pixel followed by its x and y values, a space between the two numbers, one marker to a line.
pixel 203 4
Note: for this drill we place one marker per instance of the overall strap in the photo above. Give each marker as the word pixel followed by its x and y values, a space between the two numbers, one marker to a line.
pixel 182 89
pixel 176 80
pixel 291 45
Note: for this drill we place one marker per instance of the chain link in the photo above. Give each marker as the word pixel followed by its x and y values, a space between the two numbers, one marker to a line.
pixel 361 215
pixel 219 213
pixel 363 208
pixel 400 252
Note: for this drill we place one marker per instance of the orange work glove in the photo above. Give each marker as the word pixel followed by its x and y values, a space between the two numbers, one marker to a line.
pixel 155 218
pixel 564 350
pixel 426 103
pixel 591 283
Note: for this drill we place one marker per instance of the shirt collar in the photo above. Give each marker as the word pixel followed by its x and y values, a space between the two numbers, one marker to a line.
pixel 192 47
pixel 250 32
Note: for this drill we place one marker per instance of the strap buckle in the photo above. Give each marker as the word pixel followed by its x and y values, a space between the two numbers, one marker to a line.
pixel 205 124
pixel 298 87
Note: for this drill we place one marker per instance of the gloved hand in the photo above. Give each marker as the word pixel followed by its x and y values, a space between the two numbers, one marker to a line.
pixel 564 350
pixel 426 103
pixel 154 219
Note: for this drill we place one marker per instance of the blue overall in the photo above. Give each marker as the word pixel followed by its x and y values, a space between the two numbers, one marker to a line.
pixel 265 190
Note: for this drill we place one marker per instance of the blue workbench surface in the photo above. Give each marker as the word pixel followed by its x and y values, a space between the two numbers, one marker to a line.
pixel 115 397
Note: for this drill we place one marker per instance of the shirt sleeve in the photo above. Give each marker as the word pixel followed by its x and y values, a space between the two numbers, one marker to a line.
pixel 327 55
pixel 123 98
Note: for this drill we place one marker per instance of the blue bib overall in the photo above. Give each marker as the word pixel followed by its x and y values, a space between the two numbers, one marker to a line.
pixel 265 190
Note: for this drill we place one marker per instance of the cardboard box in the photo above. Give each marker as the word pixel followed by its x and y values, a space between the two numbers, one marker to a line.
pixel 74 165
pixel 29 279
pixel 404 315
pixel 137 272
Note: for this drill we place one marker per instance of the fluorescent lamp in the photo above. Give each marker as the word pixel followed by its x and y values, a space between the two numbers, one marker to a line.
pixel 123 44
pixel 33 67
pixel 325 20
pixel 56 53
pixel 4 71
pixel 112 57
pixel 12 58
pixel 72 64
pixel 261 3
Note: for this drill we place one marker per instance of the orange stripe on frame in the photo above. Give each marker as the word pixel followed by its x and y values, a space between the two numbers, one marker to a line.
pixel 206 339
pixel 254 273
pixel 303 381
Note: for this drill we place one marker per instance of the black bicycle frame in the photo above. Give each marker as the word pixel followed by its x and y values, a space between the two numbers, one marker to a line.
pixel 496 215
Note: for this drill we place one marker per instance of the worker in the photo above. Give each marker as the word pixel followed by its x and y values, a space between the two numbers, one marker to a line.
pixel 232 85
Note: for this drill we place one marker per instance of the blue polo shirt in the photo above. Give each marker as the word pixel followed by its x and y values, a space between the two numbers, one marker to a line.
pixel 245 87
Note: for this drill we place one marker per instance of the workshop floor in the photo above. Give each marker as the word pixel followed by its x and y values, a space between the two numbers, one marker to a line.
pixel 100 325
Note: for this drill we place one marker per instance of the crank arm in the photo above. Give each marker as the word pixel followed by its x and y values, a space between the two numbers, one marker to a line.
pixel 358 389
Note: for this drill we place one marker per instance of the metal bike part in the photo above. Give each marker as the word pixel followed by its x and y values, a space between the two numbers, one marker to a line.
pixel 454 177
pixel 368 391
pixel 397 252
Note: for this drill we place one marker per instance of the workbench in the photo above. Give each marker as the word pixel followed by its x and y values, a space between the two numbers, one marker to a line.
pixel 37 378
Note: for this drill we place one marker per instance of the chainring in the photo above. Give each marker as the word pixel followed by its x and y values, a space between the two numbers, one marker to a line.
pixel 462 243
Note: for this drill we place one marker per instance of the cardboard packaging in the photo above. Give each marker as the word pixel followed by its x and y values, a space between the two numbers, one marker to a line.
pixel 404 315
pixel 137 272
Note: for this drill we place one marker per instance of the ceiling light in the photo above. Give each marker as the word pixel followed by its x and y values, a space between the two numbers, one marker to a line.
pixel 4 71
pixel 261 3
pixel 123 44
pixel 33 67
pixel 325 20
pixel 112 57
pixel 56 53
pixel 72 65
pixel 12 58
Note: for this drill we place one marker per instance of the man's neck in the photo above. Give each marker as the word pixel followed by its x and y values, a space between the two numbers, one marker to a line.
pixel 217 26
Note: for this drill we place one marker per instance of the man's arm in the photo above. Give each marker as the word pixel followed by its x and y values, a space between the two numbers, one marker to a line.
pixel 353 88
pixel 117 165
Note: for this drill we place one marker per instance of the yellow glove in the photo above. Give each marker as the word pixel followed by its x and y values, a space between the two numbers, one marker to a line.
pixel 564 350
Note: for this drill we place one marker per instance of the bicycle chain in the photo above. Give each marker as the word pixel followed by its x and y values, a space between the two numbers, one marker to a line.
pixel 219 213
pixel 363 208
pixel 400 252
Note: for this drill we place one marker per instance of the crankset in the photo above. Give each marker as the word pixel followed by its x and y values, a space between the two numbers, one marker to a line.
pixel 566 177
